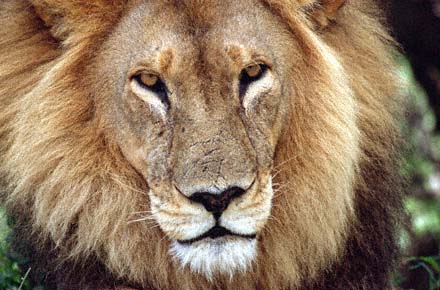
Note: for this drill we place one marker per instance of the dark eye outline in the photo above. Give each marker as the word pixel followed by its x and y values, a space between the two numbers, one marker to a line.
pixel 159 88
pixel 246 80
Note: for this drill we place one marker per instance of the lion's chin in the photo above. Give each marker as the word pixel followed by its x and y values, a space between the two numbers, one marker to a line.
pixel 221 256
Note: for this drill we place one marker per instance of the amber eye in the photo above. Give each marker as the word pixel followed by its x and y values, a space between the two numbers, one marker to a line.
pixel 253 70
pixel 250 74
pixel 153 83
pixel 148 80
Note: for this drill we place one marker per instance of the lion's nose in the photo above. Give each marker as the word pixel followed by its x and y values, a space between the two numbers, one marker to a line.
pixel 217 203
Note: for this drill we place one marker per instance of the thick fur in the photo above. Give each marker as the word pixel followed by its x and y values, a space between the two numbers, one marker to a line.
pixel 71 191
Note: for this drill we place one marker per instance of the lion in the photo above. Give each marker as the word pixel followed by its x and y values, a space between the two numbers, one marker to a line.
pixel 201 144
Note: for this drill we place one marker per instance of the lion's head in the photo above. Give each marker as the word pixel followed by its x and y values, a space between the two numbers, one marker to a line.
pixel 192 142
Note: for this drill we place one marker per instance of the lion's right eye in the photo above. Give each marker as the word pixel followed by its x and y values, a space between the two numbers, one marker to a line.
pixel 153 83
pixel 250 74
pixel 149 80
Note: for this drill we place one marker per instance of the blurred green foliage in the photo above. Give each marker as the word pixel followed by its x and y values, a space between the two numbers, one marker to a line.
pixel 431 266
pixel 420 167
pixel 420 160
pixel 11 276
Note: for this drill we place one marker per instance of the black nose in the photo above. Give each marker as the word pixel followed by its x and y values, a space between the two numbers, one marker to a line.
pixel 217 203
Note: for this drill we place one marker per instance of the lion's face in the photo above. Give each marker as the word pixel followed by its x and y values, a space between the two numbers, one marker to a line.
pixel 198 112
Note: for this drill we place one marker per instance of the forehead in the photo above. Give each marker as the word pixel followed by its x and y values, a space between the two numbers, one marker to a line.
pixel 197 26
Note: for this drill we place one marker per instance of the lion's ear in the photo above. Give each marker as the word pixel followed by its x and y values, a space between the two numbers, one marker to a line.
pixel 64 17
pixel 54 16
pixel 324 12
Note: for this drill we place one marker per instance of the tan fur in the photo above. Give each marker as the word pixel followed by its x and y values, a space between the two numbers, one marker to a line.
pixel 68 179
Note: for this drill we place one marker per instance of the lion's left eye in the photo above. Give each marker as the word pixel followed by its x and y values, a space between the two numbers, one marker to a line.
pixel 151 82
pixel 154 84
pixel 250 74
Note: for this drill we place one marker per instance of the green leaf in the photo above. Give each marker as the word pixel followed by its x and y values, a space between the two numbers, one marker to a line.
pixel 432 262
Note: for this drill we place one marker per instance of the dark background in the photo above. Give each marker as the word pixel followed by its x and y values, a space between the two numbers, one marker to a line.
pixel 416 26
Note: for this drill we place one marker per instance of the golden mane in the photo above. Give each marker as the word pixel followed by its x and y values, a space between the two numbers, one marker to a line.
pixel 71 192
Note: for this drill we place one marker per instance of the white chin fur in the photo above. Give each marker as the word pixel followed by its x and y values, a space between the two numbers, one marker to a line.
pixel 226 255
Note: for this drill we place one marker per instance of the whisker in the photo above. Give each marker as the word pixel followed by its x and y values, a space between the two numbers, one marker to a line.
pixel 278 194
pixel 163 238
pixel 117 179
pixel 284 162
pixel 278 187
pixel 141 212
pixel 274 218
pixel 276 170
pixel 147 218
pixel 282 187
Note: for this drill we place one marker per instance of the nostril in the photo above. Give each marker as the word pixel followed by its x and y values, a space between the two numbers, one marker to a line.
pixel 217 203
pixel 234 192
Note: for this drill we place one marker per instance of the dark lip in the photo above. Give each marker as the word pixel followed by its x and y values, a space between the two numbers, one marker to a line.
pixel 216 232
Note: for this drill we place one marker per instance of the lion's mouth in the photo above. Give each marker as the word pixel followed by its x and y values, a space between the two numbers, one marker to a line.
pixel 217 232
